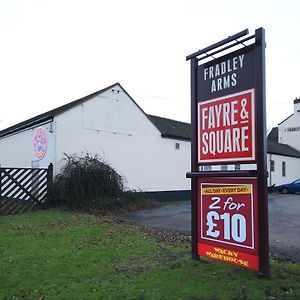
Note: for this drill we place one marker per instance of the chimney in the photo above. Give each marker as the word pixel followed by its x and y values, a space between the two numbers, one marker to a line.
pixel 297 106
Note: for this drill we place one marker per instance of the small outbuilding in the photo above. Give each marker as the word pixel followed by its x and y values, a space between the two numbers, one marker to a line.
pixel 284 149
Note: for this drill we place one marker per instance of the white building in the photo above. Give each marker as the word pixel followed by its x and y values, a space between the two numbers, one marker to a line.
pixel 152 153
pixel 284 149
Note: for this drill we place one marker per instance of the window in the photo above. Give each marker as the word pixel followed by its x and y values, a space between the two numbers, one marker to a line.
pixel 177 146
pixel 35 164
pixel 293 129
pixel 272 166
pixel 283 168
pixel 237 167
pixel 224 168
pixel 206 168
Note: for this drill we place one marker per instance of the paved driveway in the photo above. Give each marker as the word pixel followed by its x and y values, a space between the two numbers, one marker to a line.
pixel 284 220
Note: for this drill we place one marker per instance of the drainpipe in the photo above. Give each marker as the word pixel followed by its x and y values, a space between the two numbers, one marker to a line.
pixel 270 173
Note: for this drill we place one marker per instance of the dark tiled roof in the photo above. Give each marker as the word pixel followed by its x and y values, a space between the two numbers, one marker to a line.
pixel 171 128
pixel 282 149
pixel 273 135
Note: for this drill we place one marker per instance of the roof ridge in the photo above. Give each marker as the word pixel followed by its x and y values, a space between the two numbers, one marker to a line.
pixel 285 119
pixel 150 115
pixel 51 113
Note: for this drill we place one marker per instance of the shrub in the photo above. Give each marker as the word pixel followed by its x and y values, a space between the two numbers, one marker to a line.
pixel 87 183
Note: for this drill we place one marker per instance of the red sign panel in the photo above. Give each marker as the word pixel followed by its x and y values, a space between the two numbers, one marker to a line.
pixel 228 220
pixel 226 129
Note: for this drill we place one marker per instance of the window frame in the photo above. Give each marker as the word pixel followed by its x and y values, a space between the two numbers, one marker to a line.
pixel 283 169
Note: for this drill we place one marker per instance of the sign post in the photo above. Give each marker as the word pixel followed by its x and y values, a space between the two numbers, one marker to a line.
pixel 228 123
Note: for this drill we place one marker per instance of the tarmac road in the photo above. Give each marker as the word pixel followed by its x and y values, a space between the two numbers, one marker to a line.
pixel 284 224
pixel 284 221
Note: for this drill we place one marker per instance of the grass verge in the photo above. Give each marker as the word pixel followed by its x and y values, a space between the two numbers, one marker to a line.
pixel 175 203
pixel 59 255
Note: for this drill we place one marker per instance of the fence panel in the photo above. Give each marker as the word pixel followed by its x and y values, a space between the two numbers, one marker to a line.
pixel 23 189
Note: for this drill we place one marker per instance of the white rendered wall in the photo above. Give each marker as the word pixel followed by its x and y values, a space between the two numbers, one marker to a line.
pixel 292 169
pixel 16 150
pixel 286 132
pixel 112 126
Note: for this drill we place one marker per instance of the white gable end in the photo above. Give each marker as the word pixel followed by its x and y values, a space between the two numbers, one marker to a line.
pixel 111 125
pixel 289 130
pixel 114 111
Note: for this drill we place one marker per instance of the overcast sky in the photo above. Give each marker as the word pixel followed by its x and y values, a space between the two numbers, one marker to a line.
pixel 56 51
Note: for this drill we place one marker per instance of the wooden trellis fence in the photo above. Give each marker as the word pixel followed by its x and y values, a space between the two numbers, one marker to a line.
pixel 23 189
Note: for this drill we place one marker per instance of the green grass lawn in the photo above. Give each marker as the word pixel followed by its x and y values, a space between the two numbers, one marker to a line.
pixel 175 203
pixel 56 255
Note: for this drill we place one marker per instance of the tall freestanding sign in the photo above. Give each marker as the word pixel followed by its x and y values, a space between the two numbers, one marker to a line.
pixel 229 208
